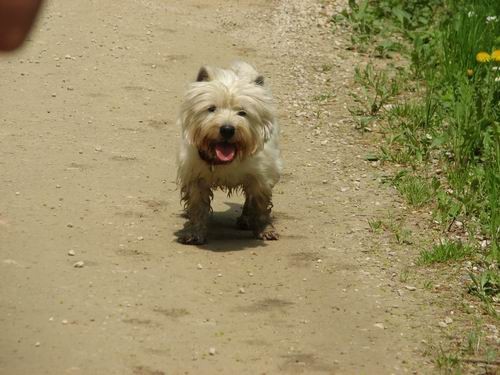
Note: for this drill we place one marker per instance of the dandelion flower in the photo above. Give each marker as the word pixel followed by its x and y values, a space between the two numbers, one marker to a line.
pixel 495 55
pixel 483 57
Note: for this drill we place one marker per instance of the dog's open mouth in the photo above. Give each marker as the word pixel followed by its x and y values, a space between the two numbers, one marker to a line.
pixel 225 152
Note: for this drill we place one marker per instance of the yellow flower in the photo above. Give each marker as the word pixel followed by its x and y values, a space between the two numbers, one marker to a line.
pixel 495 55
pixel 483 57
pixel 470 72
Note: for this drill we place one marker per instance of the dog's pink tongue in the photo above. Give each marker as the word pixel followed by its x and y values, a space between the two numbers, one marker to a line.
pixel 225 152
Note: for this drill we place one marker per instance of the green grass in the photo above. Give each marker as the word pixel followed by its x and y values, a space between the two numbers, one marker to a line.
pixel 373 32
pixel 486 285
pixel 445 252
pixel 440 114
pixel 448 363
pixel 376 225
pixel 377 90
pixel 417 190
pixel 474 341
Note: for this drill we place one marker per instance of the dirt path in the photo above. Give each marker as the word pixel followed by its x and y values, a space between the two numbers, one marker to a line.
pixel 87 163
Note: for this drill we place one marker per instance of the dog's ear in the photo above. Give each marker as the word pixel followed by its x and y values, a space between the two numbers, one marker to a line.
pixel 259 80
pixel 204 74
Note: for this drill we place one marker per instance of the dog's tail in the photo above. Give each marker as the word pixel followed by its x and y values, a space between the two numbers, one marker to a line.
pixel 247 72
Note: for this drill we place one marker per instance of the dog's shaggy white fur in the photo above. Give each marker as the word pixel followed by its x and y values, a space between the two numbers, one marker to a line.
pixel 229 141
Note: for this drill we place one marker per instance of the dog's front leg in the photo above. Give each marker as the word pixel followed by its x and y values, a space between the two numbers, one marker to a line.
pixel 257 211
pixel 197 196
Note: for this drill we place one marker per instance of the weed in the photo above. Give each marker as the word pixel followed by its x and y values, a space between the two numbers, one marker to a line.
pixel 486 285
pixel 323 97
pixel 448 363
pixel 444 252
pixel 378 87
pixel 401 234
pixel 448 208
pixel 474 339
pixel 375 225
pixel 404 275
pixel 415 189
pixel 428 285
pixel 326 67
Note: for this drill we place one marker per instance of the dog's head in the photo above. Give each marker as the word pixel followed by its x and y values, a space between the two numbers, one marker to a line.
pixel 227 114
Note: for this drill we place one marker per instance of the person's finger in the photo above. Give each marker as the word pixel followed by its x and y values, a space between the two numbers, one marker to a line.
pixel 16 19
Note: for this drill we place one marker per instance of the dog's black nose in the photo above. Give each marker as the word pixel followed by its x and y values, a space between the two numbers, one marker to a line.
pixel 227 131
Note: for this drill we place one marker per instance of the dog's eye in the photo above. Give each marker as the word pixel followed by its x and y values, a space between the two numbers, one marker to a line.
pixel 242 113
pixel 212 108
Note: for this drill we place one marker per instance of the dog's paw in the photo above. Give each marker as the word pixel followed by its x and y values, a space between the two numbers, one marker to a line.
pixel 189 237
pixel 268 234
pixel 243 222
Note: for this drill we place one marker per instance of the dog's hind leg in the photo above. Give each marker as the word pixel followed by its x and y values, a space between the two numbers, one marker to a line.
pixel 197 196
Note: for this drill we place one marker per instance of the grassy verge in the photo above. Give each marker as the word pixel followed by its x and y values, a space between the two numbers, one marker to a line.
pixel 440 113
pixel 432 91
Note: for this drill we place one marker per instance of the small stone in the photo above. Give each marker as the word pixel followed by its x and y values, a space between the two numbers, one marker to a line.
pixel 10 261
pixel 319 261
pixel 344 189
pixel 79 264
pixel 58 186
pixel 442 324
pixel 219 275
pixel 18 193
pixel 212 351
pixel 71 253
pixel 54 95
pixel 98 148
pixel 241 291
pixel 37 344
pixel 69 225
pixel 140 238
pixel 379 325
pixel 64 321
pixel 409 287
pixel 199 266
pixel 448 320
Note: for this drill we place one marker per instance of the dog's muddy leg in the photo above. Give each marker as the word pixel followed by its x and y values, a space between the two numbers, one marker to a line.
pixel 258 203
pixel 243 222
pixel 197 196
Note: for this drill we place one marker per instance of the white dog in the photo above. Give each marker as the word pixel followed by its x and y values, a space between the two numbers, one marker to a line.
pixel 229 141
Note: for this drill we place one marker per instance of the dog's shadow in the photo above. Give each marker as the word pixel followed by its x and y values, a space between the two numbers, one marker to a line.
pixel 224 235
